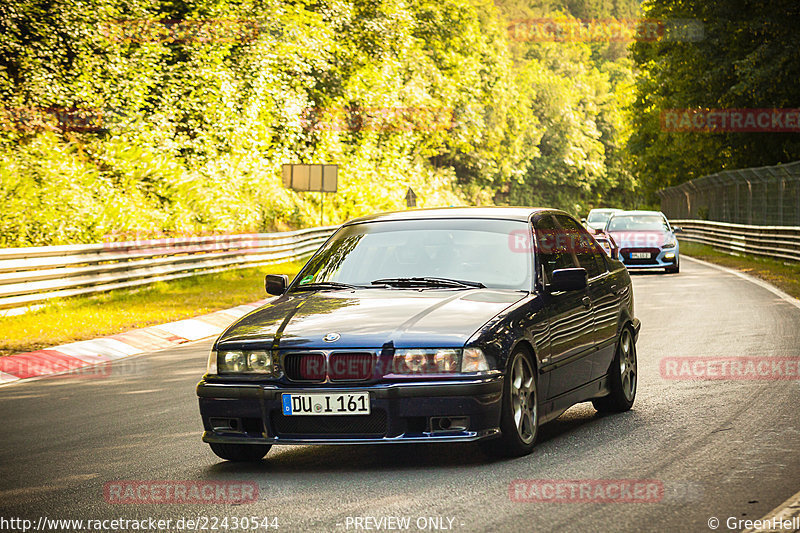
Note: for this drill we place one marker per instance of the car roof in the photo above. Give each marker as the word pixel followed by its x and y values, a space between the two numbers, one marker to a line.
pixel 503 213
pixel 606 210
pixel 639 212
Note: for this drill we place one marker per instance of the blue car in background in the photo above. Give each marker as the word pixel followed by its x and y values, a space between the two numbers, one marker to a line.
pixel 645 240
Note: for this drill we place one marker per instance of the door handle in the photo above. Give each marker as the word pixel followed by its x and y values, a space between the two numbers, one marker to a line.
pixel 587 302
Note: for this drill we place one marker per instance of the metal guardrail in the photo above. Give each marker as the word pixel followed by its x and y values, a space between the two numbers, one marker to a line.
pixel 33 275
pixel 778 242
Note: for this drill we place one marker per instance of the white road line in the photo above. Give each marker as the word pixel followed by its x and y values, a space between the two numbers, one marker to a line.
pixel 7 378
pixel 97 350
pixel 784 512
pixel 190 329
pixel 241 310
pixel 761 283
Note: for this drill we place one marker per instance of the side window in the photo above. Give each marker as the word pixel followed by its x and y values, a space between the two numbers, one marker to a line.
pixel 551 247
pixel 582 245
pixel 600 259
pixel 596 251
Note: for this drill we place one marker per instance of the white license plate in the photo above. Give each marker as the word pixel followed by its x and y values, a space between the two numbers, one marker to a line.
pixel 335 403
pixel 640 255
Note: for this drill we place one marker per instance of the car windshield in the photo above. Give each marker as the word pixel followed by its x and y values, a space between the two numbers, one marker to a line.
pixel 596 217
pixel 638 222
pixel 477 251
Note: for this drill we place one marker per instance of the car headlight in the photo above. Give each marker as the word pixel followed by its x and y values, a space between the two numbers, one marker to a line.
pixel 419 361
pixel 447 360
pixel 244 362
pixel 259 362
pixel 439 361
pixel 411 361
pixel 670 244
pixel 431 361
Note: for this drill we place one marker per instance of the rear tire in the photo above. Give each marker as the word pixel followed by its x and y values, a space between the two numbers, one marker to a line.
pixel 519 419
pixel 623 376
pixel 240 452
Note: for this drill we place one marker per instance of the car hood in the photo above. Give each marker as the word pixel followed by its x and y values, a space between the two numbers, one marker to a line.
pixel 369 318
pixel 640 238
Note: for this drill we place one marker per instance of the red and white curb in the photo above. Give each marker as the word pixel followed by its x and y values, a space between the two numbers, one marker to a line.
pixel 77 355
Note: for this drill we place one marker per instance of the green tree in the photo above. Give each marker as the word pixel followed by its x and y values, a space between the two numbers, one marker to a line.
pixel 747 58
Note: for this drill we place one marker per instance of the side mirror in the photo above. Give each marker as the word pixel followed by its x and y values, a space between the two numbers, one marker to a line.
pixel 583 221
pixel 677 229
pixel 568 279
pixel 276 284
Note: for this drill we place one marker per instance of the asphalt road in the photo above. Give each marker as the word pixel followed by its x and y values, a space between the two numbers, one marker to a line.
pixel 720 448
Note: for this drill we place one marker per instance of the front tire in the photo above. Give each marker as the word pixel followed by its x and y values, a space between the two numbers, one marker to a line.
pixel 240 452
pixel 519 419
pixel 673 269
pixel 623 376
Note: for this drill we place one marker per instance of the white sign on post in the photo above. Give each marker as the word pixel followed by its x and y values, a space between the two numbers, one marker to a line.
pixel 312 178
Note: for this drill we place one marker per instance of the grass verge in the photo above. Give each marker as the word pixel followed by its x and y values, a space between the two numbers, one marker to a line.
pixel 783 274
pixel 87 317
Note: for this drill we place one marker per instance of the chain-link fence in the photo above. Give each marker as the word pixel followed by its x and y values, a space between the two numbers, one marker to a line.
pixel 766 196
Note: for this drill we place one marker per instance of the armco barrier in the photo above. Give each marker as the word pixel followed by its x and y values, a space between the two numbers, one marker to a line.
pixel 778 242
pixel 32 275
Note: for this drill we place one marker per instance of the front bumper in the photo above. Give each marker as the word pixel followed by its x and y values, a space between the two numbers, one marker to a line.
pixel 401 412
pixel 661 260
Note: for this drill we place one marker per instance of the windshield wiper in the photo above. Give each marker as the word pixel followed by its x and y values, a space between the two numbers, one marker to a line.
pixel 429 282
pixel 327 285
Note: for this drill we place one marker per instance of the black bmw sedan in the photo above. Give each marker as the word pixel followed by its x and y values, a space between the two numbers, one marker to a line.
pixel 443 325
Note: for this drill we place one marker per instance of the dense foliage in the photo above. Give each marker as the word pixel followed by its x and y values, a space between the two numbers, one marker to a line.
pixel 132 116
pixel 748 58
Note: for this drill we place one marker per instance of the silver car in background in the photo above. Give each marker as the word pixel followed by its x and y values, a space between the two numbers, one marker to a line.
pixel 597 218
